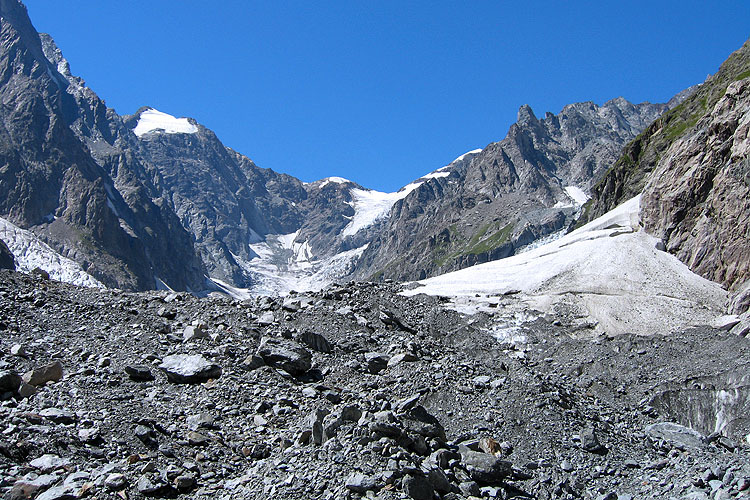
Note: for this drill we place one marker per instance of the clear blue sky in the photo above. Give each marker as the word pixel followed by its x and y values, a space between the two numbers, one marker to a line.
pixel 382 91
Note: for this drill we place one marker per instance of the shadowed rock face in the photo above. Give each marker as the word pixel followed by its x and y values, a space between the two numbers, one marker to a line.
pixel 6 257
pixel 507 196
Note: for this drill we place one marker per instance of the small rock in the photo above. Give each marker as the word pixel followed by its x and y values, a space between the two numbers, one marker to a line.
pixel 485 468
pixel 360 483
pixel 151 485
pixel 590 442
pixel 376 362
pixel 59 493
pixel 200 421
pixel 10 381
pixel 18 350
pixel 58 416
pixel 184 482
pixel 48 463
pixel 115 481
pixel 401 358
pixel 197 439
pixel 266 319
pixel 316 342
pixel 192 332
pixel 139 373
pixel 418 488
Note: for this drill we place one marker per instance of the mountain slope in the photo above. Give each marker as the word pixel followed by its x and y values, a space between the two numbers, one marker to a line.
pixel 691 165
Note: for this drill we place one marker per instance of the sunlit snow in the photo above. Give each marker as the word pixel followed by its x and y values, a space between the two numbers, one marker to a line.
pixel 152 119
pixel 608 274
pixel 30 252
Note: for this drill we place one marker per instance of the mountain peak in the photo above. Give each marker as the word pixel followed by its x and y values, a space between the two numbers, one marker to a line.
pixel 525 115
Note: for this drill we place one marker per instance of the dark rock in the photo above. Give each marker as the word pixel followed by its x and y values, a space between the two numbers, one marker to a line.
pixel 189 369
pixel 418 488
pixel 139 373
pixel 590 442
pixel 10 381
pixel 6 257
pixel 376 362
pixel 285 354
pixel 316 342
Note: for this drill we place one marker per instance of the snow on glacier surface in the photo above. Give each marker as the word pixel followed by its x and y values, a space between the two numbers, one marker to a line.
pixel 371 206
pixel 30 252
pixel 577 195
pixel 152 119
pixel 608 274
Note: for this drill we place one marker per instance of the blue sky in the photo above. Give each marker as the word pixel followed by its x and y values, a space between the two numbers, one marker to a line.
pixel 382 92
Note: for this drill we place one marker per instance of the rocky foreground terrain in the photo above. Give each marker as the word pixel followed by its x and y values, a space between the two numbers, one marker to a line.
pixel 354 391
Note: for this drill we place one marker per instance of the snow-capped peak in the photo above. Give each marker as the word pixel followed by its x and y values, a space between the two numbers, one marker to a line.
pixel 152 119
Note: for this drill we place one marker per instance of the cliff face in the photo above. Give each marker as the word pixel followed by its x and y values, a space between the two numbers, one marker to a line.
pixel 640 157
pixel 698 197
pixel 693 170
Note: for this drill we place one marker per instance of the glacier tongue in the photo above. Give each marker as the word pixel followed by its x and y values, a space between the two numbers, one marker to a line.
pixel 31 252
pixel 607 276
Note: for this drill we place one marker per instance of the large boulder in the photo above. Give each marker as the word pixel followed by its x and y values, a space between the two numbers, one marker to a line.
pixel 285 354
pixel 485 468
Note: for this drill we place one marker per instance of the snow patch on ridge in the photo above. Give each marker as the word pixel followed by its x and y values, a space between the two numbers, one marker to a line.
pixel 151 120
pixel 605 277
pixel 30 252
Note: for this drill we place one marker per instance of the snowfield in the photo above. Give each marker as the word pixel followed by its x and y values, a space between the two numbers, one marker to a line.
pixel 607 276
pixel 30 252
pixel 151 120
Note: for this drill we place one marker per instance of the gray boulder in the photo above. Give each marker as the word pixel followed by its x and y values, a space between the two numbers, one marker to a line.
pixel 189 369
pixel 285 354
pixel 485 468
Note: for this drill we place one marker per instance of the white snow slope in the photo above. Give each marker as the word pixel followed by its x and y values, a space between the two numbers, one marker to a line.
pixel 607 275
pixel 152 119
pixel 31 252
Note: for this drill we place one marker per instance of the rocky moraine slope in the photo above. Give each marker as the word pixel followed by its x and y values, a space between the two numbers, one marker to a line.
pixel 351 392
